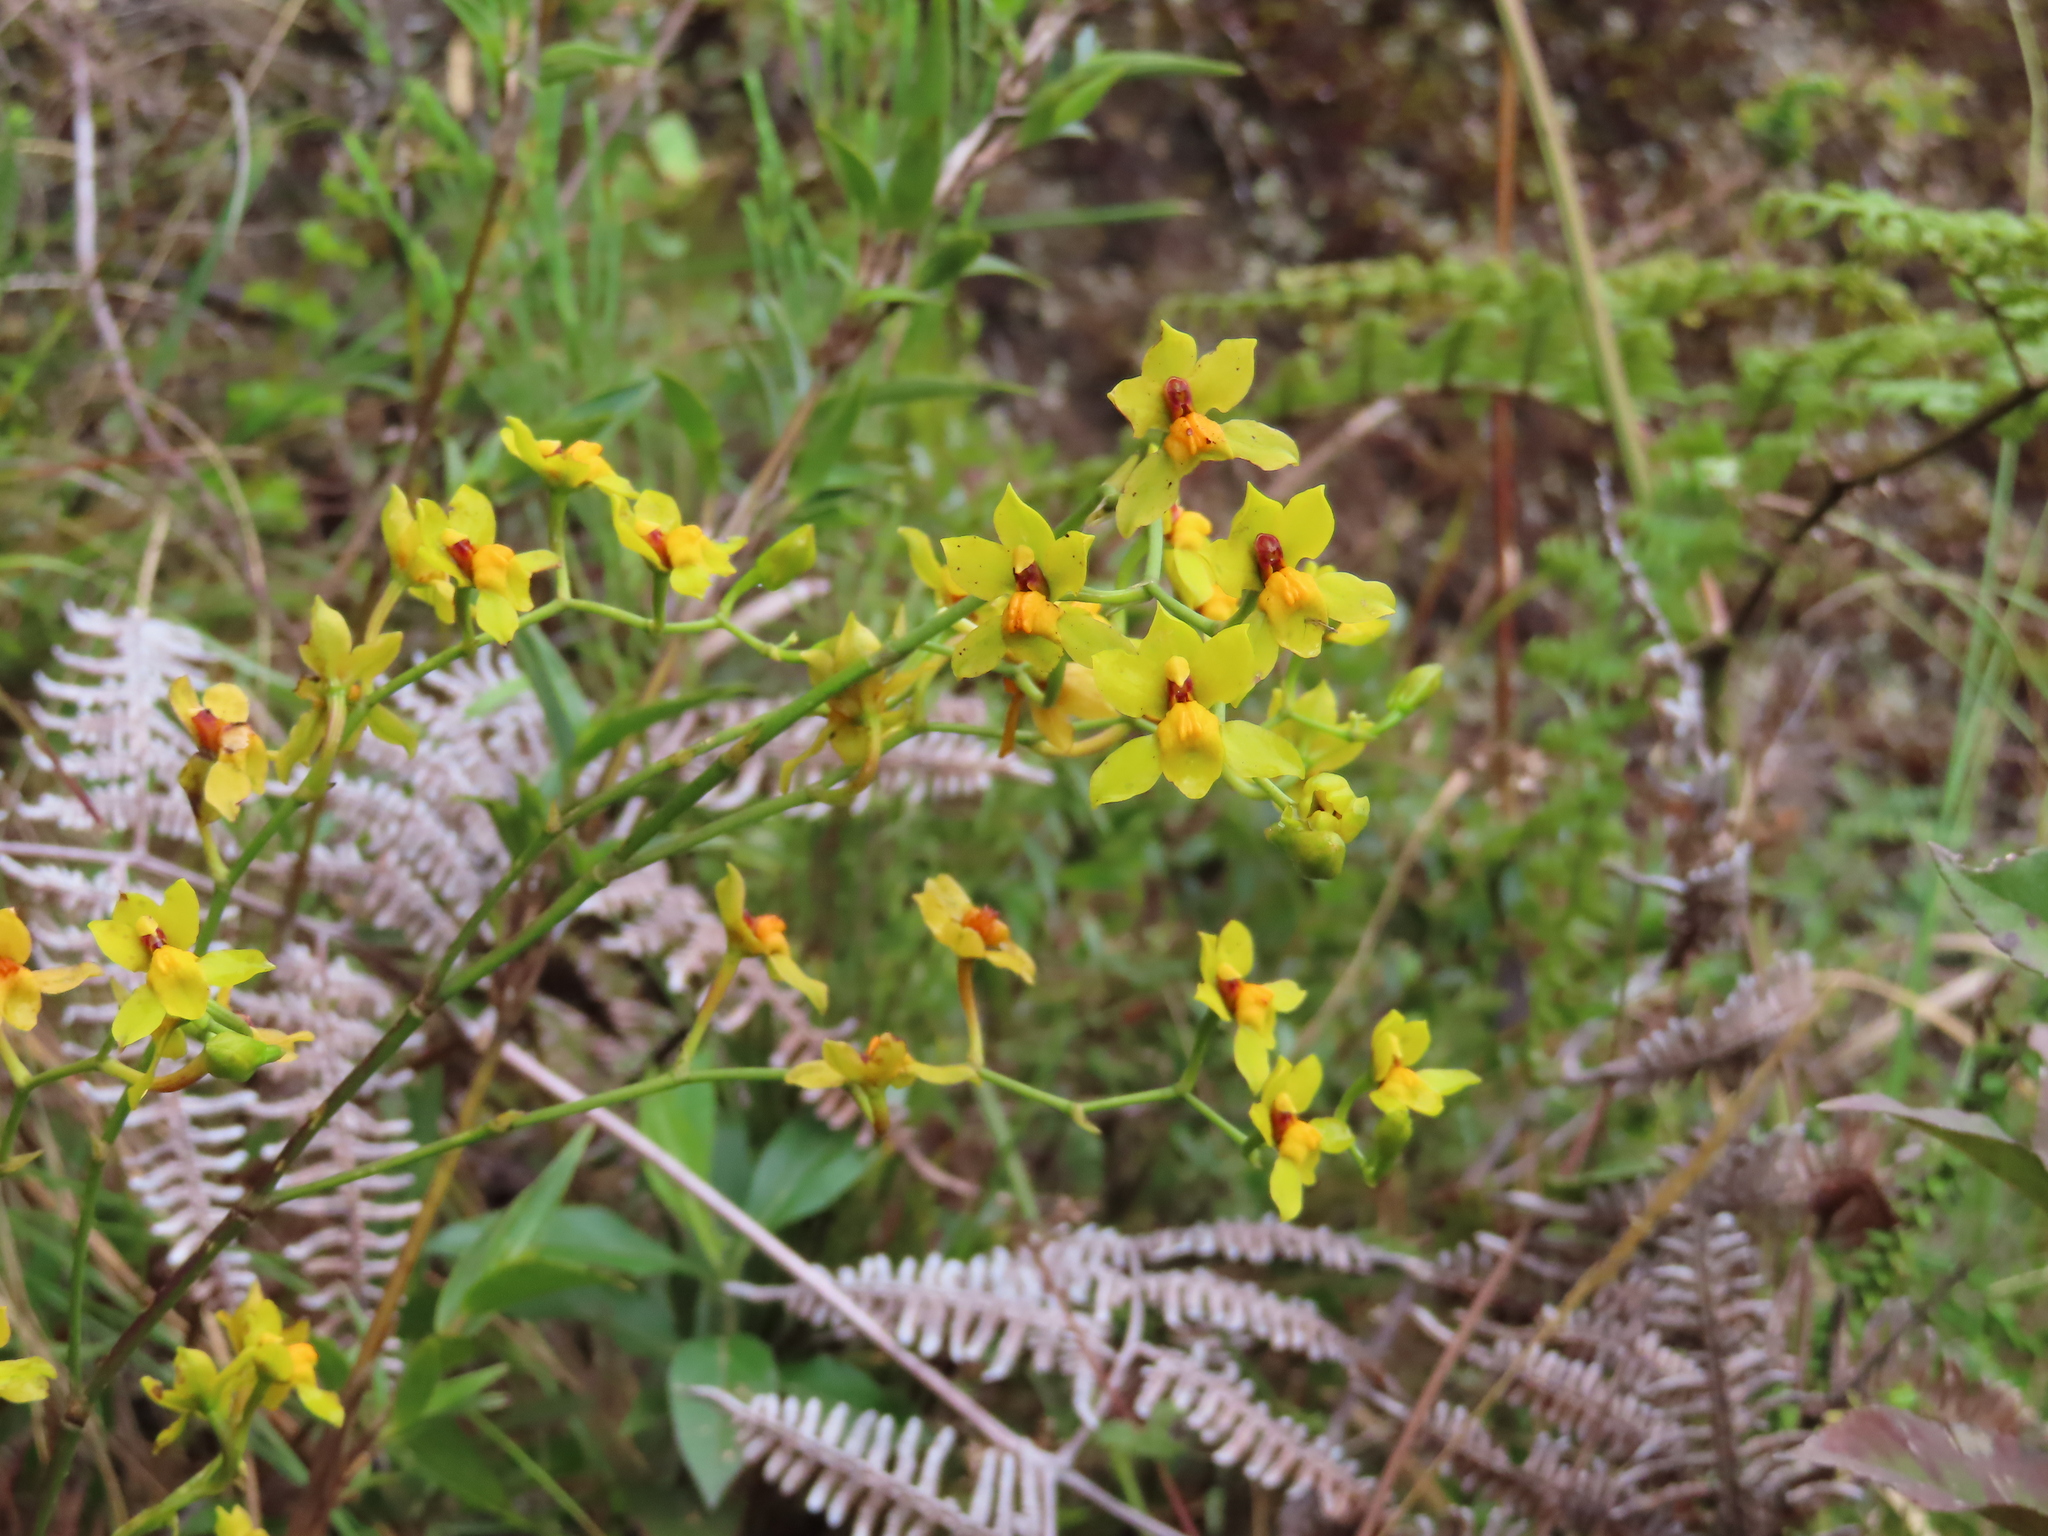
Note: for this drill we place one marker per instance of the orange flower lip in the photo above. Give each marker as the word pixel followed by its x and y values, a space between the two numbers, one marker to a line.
pixel 989 924
pixel 208 729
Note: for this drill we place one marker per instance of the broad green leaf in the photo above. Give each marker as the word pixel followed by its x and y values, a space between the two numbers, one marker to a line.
pixel 598 1236
pixel 2007 899
pixel 1977 1137
pixel 513 1235
pixel 803 1169
pixel 527 1279
pixel 684 1122
pixel 739 1363
pixel 699 427
pixel 444 1455
pixel 1948 1468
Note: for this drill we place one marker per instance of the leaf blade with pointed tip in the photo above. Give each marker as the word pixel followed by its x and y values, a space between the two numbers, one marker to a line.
pixel 1977 1137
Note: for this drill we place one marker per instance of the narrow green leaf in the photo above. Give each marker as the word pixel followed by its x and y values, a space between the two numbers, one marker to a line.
pixel 579 56
pixel 2007 899
pixel 562 702
pixel 803 1169
pixel 1977 1137
pixel 915 176
pixel 693 418
pixel 851 170
pixel 514 1234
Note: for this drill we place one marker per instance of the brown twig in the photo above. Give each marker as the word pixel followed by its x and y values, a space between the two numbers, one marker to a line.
pixel 1840 485
pixel 1507 510
pixel 35 733
pixel 1468 1326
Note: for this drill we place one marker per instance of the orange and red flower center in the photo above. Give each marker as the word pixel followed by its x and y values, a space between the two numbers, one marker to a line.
pixel 1227 987
pixel 152 940
pixel 1032 579
pixel 1180 400
pixel 1267 552
pixel 658 542
pixel 8 968
pixel 986 922
pixel 1293 1137
pixel 463 553
pixel 1179 690
pixel 208 729
pixel 769 931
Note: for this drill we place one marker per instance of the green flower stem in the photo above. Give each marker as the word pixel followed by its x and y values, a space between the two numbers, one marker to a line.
pixel 1359 1085
pixel 558 536
pixel 1115 597
pixel 728 967
pixel 1129 1100
pixel 1025 1090
pixel 225 883
pixel 216 867
pixel 1006 1148
pixel 217 1476
pixel 19 1107
pixel 437 992
pixel 749 638
pixel 1179 609
pixel 1242 1138
pixel 631 619
pixel 88 1218
pixel 657 600
pixel 511 1120
pixel 1274 793
pixel 977 1055
pixel 1155 550
pixel 1366 731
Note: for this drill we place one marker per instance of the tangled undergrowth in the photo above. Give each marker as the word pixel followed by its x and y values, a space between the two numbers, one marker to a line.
pixel 664 873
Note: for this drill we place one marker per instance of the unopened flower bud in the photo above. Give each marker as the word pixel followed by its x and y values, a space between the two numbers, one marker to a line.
pixel 787 558
pixel 1315 854
pixel 1416 689
pixel 1329 804
pixel 236 1057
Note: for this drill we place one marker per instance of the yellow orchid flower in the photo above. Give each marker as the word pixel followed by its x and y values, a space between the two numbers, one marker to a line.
pixel 1080 698
pixel 231 762
pixel 1296 716
pixel 765 936
pixel 858 718
pixel 972 932
pixel 429 574
pixel 569 467
pixel 926 565
pixel 22 990
pixel 285 1361
pixel 1398 1042
pixel 337 671
pixel 1027 578
pixel 1177 392
pixel 157 939
pixel 468 534
pixel 1254 1007
pixel 195 1392
pixel 1299 603
pixel 1188 537
pixel 868 1075
pixel 234 1522
pixel 1176 678
pixel 26 1380
pixel 1298 1142
pixel 652 527
pixel 287 1043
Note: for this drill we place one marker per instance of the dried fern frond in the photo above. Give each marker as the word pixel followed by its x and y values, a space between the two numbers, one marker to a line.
pixel 1273 1450
pixel 1188 1300
pixel 1271 1241
pixel 863 1468
pixel 103 713
pixel 1892 1354
pixel 1752 1019
pixel 1556 1484
pixel 1576 1396
pixel 993 1310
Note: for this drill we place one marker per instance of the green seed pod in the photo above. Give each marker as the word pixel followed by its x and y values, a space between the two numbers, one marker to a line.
pixel 1416 689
